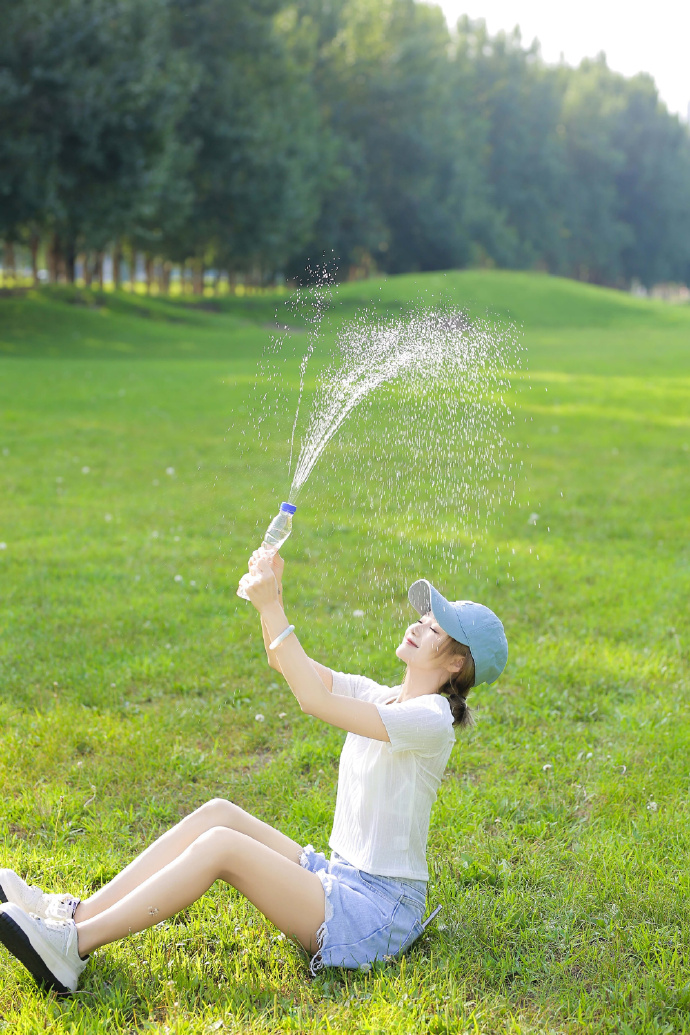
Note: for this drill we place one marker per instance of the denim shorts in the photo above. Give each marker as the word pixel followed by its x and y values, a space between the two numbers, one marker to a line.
pixel 367 917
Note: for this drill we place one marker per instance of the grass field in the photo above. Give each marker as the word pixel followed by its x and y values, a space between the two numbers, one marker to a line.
pixel 133 486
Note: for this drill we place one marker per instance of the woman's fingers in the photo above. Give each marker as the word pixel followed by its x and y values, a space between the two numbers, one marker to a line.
pixel 277 563
pixel 260 554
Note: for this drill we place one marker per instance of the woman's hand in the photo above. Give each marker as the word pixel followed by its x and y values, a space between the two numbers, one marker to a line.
pixel 260 583
pixel 277 562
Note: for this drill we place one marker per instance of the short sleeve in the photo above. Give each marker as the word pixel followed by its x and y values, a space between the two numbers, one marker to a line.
pixel 424 724
pixel 361 687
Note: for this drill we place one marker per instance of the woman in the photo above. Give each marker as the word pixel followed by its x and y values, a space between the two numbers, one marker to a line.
pixel 368 900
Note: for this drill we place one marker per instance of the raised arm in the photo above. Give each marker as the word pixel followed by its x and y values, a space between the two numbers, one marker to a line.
pixel 304 678
pixel 277 566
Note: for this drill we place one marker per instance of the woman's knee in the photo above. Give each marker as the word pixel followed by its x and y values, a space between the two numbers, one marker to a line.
pixel 218 845
pixel 217 813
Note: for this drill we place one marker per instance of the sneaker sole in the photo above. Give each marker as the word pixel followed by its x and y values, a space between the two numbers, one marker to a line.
pixel 3 896
pixel 17 941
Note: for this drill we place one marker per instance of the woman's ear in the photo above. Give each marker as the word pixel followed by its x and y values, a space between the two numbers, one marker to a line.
pixel 456 664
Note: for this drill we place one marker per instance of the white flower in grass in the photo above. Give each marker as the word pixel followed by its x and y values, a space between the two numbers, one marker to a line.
pixel 85 470
pixel 108 517
pixel 547 767
pixel 192 582
pixel 170 471
pixel 259 717
pixel 281 715
pixel 3 546
pixel 178 578
pixel 532 519
pixel 357 613
pixel 652 806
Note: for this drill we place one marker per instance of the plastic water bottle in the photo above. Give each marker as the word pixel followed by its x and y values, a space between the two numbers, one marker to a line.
pixel 276 534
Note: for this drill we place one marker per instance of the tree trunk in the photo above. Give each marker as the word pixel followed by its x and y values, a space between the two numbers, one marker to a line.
pixel 88 269
pixel 148 264
pixel 52 257
pixel 98 271
pixel 70 262
pixel 164 278
pixel 198 277
pixel 10 262
pixel 117 261
pixel 35 241
pixel 132 268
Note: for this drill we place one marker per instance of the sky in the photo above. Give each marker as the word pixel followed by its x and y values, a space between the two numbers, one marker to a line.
pixel 636 37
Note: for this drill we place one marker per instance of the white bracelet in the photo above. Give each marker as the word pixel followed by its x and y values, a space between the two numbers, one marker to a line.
pixel 283 636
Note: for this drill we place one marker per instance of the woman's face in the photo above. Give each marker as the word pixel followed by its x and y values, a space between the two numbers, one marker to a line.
pixel 423 644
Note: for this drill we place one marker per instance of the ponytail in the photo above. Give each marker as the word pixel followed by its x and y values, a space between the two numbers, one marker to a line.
pixel 459 684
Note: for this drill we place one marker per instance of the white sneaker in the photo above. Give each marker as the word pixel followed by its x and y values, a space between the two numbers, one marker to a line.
pixel 32 900
pixel 49 949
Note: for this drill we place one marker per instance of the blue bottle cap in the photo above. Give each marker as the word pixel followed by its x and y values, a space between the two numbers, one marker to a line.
pixel 288 508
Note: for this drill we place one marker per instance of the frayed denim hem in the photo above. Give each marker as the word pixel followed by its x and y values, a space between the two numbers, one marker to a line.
pixel 309 855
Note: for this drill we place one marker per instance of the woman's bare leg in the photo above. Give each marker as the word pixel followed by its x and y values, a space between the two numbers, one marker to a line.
pixel 289 896
pixel 215 813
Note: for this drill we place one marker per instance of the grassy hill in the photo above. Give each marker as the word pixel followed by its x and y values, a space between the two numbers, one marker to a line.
pixel 133 484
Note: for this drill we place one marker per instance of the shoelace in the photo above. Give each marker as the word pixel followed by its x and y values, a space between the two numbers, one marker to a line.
pixel 55 930
pixel 60 907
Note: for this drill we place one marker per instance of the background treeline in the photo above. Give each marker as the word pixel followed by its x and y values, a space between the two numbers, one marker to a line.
pixel 259 137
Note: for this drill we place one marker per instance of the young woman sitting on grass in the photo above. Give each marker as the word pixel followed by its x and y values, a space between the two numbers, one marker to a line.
pixel 368 900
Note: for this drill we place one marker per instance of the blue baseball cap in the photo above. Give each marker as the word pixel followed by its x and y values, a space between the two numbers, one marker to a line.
pixel 472 624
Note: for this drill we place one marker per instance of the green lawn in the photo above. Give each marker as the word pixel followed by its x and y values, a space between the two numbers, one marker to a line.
pixel 560 842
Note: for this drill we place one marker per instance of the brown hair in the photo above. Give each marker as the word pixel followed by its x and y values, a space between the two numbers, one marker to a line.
pixel 460 683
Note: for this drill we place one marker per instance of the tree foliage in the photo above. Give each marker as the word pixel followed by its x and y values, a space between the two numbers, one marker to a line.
pixel 259 137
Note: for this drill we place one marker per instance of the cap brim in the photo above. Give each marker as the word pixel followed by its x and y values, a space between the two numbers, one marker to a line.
pixel 419 595
pixel 424 598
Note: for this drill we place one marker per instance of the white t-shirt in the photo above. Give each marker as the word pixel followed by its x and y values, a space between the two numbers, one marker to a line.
pixel 386 790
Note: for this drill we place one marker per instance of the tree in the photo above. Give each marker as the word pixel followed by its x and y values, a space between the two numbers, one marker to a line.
pixel 94 95
pixel 251 122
